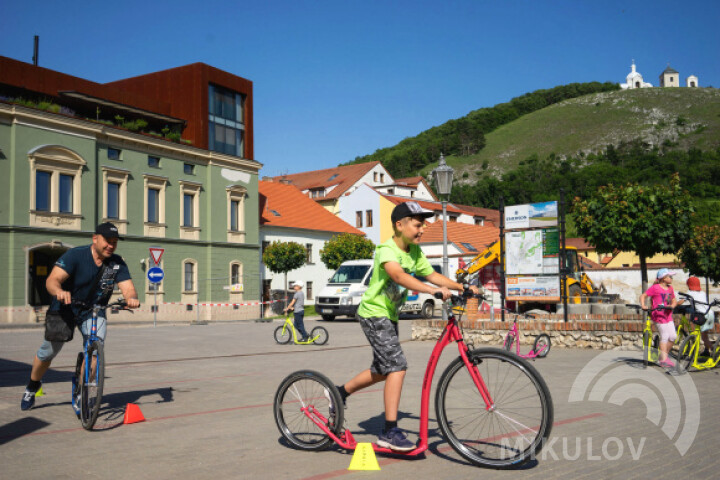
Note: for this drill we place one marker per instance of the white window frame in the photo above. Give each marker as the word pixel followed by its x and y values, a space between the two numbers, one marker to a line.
pixel 236 193
pixel 158 183
pixel 120 177
pixel 56 160
pixel 190 188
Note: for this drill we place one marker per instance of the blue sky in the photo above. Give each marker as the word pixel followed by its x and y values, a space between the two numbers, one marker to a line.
pixel 336 79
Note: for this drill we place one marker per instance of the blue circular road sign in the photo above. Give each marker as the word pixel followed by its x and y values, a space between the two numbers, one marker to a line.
pixel 155 274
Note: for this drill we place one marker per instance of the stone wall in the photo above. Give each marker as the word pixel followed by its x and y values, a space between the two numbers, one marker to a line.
pixel 601 332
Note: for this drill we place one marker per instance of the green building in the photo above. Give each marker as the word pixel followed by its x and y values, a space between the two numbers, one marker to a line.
pixel 65 169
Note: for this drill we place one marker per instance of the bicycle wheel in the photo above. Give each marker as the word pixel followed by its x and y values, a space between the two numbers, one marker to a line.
pixel 322 335
pixel 716 350
pixel 91 385
pixel 686 354
pixel 510 433
pixel 283 334
pixel 655 348
pixel 299 390
pixel 646 349
pixel 542 345
pixel 507 345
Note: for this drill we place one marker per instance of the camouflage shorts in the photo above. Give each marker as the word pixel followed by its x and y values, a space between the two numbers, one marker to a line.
pixel 382 333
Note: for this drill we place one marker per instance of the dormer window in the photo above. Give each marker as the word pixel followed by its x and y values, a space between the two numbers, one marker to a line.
pixel 317 193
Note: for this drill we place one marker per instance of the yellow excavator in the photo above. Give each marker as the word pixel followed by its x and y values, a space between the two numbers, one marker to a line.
pixel 579 285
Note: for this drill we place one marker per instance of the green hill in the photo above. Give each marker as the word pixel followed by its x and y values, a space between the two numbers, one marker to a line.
pixel 669 118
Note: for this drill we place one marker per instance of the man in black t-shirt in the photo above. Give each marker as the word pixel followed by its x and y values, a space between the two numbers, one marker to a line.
pixel 74 277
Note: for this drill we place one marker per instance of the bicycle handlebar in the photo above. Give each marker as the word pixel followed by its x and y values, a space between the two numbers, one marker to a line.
pixel 467 293
pixel 120 303
pixel 693 301
pixel 640 307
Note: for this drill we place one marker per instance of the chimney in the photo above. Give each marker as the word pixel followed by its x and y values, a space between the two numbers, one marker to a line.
pixel 35 50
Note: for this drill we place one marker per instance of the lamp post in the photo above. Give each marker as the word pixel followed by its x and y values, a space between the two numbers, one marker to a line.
pixel 443 184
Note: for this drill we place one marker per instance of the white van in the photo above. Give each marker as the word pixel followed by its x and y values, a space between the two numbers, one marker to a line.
pixel 342 294
pixel 421 303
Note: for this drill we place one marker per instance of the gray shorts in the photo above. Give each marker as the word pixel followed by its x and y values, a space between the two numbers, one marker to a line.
pixel 49 350
pixel 382 333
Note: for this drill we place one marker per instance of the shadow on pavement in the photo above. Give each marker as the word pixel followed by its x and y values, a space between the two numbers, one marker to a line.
pixel 17 374
pixel 112 412
pixel 19 428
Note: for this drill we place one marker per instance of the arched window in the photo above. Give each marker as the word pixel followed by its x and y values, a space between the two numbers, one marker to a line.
pixel 55 187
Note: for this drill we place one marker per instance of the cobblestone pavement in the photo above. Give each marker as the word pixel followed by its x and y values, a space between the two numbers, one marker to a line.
pixel 207 390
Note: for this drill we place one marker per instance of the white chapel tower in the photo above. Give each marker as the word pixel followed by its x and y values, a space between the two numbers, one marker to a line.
pixel 634 79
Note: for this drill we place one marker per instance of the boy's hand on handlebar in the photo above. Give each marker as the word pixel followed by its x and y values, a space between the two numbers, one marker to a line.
pixel 442 292
pixel 132 303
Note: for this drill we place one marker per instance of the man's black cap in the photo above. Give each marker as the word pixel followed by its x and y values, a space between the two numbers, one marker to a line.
pixel 107 230
pixel 409 209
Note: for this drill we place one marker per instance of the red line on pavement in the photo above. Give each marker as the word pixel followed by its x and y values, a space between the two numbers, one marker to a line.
pixel 169 417
pixel 389 461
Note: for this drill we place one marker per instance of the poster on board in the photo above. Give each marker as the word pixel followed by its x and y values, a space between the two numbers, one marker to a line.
pixel 533 289
pixel 531 215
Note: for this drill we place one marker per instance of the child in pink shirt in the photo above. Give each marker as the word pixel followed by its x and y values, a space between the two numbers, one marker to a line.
pixel 662 293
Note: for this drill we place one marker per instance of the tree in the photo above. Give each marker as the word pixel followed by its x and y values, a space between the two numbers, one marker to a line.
pixel 282 257
pixel 645 219
pixel 345 246
pixel 701 253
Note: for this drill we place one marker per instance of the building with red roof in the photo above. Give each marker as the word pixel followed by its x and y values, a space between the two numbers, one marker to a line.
pixel 288 215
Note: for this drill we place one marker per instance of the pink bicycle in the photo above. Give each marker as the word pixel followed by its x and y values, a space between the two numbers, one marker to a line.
pixel 540 349
pixel 492 407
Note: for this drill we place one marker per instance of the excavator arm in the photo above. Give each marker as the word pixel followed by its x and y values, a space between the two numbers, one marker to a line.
pixel 481 260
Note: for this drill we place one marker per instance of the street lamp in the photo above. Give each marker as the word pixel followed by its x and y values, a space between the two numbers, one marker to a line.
pixel 443 184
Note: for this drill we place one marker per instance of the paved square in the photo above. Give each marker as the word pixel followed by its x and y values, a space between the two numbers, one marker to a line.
pixel 207 391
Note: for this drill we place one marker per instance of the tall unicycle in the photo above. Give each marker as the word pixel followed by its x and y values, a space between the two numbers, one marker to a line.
pixel 90 383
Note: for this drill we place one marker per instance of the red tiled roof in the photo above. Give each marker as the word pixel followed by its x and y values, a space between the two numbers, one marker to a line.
pixel 297 210
pixel 578 243
pixel 459 233
pixel 414 182
pixel 338 179
pixel 606 259
pixel 488 213
pixel 410 181
pixel 427 205
pixel 588 264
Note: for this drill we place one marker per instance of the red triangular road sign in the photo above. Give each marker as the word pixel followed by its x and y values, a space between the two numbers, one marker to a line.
pixel 156 254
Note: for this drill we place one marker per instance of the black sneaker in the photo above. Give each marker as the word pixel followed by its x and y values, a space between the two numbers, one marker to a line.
pixel 395 439
pixel 705 353
pixel 28 400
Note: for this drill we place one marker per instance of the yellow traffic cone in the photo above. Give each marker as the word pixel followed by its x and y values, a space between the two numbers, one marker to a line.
pixel 364 458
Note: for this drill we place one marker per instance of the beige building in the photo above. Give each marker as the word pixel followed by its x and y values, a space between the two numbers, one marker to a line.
pixel 670 77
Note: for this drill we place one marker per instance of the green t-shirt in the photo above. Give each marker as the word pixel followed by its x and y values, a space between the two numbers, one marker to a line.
pixel 383 298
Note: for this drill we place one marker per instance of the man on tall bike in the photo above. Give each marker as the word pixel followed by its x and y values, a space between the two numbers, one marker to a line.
pixel 89 274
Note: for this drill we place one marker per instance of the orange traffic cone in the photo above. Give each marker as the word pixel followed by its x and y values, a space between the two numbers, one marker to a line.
pixel 133 414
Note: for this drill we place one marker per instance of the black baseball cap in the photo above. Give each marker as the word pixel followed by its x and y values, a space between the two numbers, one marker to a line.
pixel 107 230
pixel 409 209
